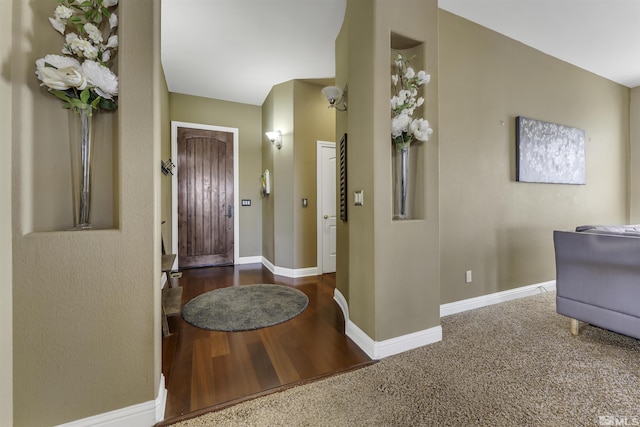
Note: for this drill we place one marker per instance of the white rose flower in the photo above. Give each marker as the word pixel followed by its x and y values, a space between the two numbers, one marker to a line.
pixel 113 21
pixel 421 130
pixel 112 43
pixel 79 45
pixel 63 12
pixel 63 78
pixel 394 102
pixel 52 79
pixel 58 25
pixel 423 77
pixel 102 79
pixel 55 61
pixel 400 124
pixel 404 129
pixel 69 73
pixel 409 74
pixel 90 52
pixel 70 37
pixel 93 32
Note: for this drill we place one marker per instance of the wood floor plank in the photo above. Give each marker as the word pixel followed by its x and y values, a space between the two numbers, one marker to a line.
pixel 203 392
pixel 284 368
pixel 206 369
pixel 219 343
pixel 263 366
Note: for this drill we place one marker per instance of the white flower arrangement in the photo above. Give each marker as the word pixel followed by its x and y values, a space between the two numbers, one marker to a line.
pixel 81 77
pixel 404 128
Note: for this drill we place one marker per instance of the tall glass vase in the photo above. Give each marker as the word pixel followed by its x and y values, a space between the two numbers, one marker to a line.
pixel 401 184
pixel 81 138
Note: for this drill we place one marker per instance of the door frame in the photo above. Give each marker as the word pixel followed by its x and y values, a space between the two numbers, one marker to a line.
pixel 174 184
pixel 320 220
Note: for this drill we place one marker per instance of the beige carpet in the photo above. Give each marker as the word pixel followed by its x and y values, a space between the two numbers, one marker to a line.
pixel 511 364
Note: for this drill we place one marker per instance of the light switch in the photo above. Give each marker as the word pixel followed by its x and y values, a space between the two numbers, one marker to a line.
pixel 246 202
pixel 358 198
pixel 305 202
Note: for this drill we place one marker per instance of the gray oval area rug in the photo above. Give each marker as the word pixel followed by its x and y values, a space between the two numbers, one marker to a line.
pixel 245 307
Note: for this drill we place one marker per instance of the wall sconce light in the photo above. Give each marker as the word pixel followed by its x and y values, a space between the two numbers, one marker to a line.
pixel 336 96
pixel 275 138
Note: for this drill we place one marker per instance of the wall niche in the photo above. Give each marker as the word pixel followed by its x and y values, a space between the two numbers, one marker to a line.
pixel 408 166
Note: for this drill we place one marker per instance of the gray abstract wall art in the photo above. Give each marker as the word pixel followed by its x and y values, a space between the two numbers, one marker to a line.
pixel 549 153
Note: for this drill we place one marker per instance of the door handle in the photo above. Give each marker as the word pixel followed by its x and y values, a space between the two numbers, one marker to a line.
pixel 229 211
pixel 326 216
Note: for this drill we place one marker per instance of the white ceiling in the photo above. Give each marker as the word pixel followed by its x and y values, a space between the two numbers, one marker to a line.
pixel 237 50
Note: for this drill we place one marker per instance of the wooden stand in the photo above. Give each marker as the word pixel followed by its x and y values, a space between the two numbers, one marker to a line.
pixel 167 266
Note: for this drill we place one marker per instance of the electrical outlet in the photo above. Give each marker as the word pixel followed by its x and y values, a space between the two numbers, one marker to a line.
pixel 469 276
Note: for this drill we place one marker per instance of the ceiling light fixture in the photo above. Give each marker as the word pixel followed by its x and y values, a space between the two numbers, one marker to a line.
pixel 276 138
pixel 336 96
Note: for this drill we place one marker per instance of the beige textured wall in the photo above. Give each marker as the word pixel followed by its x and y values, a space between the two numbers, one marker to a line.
pixel 268 206
pixel 282 176
pixel 393 274
pixel 634 185
pixel 166 213
pixel 361 281
pixel 6 297
pixel 492 225
pixel 298 109
pixel 313 122
pixel 247 118
pixel 407 268
pixel 86 304
pixel 342 235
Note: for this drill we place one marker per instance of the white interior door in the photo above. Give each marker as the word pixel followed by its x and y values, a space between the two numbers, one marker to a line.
pixel 327 206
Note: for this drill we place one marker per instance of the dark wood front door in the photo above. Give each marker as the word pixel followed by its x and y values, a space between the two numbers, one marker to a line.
pixel 205 197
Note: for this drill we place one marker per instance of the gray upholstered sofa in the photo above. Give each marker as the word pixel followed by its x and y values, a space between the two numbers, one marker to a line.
pixel 598 277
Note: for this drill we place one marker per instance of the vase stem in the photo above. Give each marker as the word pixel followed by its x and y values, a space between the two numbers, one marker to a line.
pixel 401 184
pixel 81 156
pixel 404 181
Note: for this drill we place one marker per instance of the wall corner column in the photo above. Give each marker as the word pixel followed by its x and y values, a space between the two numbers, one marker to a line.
pixel 393 266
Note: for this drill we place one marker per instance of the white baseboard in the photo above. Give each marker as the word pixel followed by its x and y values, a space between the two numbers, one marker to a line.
pixel 342 303
pixel 268 264
pixel 495 298
pixel 145 414
pixel 249 260
pixel 381 349
pixel 289 272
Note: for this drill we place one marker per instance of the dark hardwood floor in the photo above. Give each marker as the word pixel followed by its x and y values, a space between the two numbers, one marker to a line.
pixel 209 370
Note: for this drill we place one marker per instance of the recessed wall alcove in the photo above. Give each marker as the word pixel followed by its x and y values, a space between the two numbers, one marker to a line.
pixel 49 200
pixel 414 50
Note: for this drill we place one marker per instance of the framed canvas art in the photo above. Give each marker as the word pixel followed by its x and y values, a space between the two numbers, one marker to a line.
pixel 549 152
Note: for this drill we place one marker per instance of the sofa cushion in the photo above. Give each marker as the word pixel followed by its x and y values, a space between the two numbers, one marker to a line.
pixel 610 229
